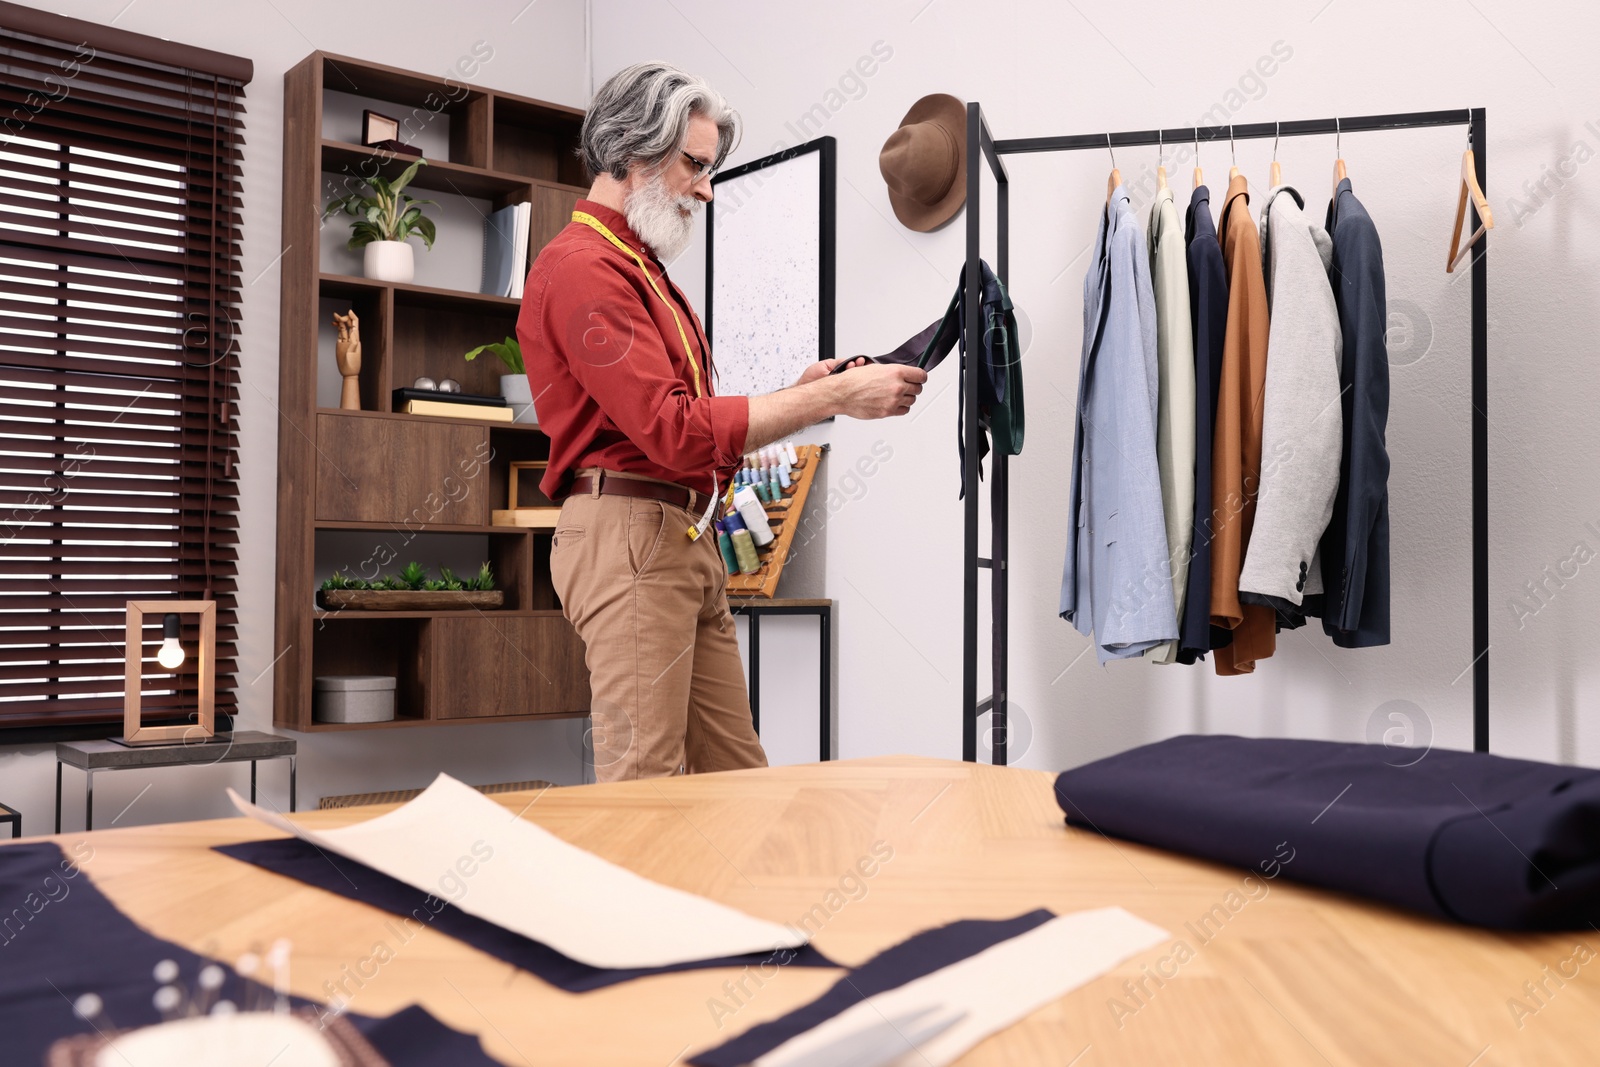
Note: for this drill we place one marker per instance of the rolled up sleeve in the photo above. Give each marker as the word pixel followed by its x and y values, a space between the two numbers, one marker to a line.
pixel 597 323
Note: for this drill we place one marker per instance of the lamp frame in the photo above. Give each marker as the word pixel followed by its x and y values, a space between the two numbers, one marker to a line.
pixel 205 665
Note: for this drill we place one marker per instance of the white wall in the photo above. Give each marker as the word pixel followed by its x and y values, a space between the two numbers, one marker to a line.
pixel 539 51
pixel 893 559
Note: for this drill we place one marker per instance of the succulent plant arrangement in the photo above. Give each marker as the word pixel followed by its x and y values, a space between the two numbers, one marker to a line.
pixel 414 577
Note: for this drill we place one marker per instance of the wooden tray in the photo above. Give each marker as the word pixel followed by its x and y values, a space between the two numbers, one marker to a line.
pixel 409 599
pixel 784 518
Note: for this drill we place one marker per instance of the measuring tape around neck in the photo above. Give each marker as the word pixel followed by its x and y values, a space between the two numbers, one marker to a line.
pixel 694 368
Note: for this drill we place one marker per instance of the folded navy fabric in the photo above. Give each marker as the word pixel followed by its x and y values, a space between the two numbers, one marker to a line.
pixel 1469 836
pixel 63 938
pixel 918 955
pixel 304 862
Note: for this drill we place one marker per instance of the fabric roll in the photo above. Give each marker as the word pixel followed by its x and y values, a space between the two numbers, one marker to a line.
pixel 1468 836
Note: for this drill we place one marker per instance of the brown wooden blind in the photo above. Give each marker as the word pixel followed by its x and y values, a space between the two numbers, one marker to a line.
pixel 119 358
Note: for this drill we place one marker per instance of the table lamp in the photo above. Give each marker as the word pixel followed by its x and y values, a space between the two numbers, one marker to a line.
pixel 171 655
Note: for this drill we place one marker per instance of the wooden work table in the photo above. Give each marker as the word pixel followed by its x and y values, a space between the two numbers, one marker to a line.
pixel 1290 976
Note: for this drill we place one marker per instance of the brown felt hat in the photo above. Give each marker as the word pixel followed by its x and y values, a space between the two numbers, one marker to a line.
pixel 924 163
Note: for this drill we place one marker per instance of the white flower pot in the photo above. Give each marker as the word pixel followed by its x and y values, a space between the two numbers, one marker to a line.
pixel 388 261
pixel 519 394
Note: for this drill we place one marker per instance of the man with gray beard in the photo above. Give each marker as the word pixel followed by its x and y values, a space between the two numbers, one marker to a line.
pixel 642 449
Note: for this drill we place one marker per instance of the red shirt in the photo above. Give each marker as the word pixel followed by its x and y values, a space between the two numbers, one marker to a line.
pixel 612 384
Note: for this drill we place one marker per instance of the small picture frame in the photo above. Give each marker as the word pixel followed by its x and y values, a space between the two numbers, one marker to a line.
pixel 376 128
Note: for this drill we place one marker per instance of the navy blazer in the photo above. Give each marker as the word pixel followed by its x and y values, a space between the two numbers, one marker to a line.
pixel 1355 547
pixel 1208 313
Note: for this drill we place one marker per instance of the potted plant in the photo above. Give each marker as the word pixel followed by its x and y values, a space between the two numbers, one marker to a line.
pixel 385 218
pixel 411 590
pixel 514 386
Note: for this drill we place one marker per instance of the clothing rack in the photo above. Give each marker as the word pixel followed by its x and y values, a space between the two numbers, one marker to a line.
pixel 983 149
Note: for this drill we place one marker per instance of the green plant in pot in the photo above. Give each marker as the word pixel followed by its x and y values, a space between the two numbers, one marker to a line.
pixel 513 385
pixel 385 218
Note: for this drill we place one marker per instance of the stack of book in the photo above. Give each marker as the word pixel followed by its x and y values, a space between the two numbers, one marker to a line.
pixel 451 405
pixel 505 250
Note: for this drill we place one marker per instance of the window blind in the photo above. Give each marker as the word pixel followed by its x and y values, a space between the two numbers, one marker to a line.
pixel 119 359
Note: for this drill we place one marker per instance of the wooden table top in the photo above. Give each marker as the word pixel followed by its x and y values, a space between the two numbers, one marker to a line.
pixel 1273 974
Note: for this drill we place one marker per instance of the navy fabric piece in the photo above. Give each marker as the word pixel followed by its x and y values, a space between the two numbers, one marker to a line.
pixel 1000 404
pixel 1355 548
pixel 64 938
pixel 1208 314
pixel 1469 836
pixel 304 862
pixel 918 955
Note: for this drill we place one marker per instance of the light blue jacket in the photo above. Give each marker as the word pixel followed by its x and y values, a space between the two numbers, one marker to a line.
pixel 1117 579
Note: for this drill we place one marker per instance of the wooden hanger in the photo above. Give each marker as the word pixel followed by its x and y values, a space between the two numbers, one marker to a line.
pixel 1233 153
pixel 1116 175
pixel 1469 184
pixel 1161 168
pixel 1338 162
pixel 1199 179
pixel 1277 171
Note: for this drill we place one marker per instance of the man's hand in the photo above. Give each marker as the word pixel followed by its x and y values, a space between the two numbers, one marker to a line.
pixel 879 390
pixel 824 367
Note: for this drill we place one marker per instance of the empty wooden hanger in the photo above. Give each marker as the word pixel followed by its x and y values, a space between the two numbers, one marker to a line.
pixel 1469 184
pixel 1116 175
pixel 1338 152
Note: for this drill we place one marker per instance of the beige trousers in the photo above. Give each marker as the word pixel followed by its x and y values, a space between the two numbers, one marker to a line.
pixel 667 684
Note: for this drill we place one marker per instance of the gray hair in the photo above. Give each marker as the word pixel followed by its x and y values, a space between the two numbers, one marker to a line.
pixel 641 115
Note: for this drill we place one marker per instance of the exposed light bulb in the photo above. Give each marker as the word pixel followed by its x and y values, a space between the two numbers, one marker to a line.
pixel 171 654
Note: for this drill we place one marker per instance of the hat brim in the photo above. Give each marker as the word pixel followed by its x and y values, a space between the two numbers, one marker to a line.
pixel 945 111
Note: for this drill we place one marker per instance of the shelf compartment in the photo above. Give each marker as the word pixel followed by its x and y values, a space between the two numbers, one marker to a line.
pixel 432 341
pixel 392 647
pixel 413 295
pixel 360 161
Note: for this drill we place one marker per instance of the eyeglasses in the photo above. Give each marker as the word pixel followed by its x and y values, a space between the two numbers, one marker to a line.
pixel 701 169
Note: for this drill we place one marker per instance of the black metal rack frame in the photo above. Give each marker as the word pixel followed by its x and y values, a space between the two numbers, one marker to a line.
pixel 983 150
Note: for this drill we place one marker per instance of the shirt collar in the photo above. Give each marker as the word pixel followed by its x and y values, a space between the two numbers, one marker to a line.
pixel 1333 205
pixel 616 222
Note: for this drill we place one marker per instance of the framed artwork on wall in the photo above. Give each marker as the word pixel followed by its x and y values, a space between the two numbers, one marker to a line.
pixel 770 268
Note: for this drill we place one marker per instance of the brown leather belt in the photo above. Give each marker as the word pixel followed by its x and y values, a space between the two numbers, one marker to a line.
pixel 678 495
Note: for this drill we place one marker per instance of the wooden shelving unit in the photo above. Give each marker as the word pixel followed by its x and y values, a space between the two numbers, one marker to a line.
pixel 397 476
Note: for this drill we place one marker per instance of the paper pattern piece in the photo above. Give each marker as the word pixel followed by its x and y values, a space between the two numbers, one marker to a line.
pixel 459 845
pixel 994 988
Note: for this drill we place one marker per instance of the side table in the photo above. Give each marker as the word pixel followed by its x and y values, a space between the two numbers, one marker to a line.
pixel 754 608
pixel 241 745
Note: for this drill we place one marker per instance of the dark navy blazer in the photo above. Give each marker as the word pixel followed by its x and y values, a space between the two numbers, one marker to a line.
pixel 1208 312
pixel 1355 547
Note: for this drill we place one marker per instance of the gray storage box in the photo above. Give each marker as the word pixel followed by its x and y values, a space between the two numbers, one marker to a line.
pixel 352 698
